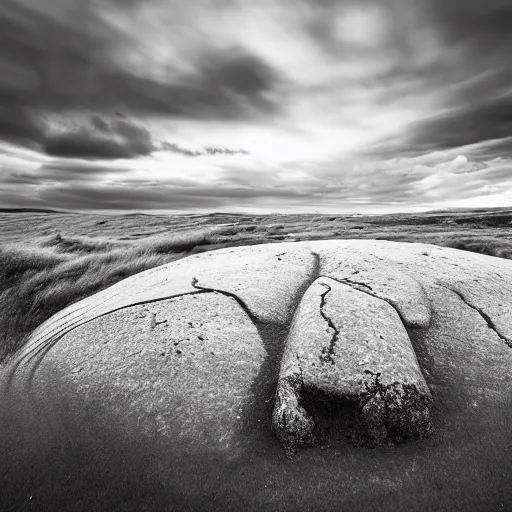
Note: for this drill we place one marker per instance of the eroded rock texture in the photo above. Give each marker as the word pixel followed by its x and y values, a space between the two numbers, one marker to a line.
pixel 189 344
pixel 351 347
pixel 384 281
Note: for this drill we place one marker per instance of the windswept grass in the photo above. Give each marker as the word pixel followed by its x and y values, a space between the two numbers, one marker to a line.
pixel 492 247
pixel 16 265
pixel 77 245
pixel 38 282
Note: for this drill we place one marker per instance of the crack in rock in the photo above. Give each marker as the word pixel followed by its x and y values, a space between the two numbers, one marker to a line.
pixel 328 352
pixel 256 321
pixel 485 316
pixel 300 368
pixel 355 285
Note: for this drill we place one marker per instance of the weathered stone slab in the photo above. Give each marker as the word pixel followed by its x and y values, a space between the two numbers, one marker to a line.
pixel 381 279
pixel 181 369
pixel 483 282
pixel 269 279
pixel 346 344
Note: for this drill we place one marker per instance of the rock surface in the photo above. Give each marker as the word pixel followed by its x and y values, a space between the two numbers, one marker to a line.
pixel 190 344
pixel 351 347
pixel 158 393
pixel 382 280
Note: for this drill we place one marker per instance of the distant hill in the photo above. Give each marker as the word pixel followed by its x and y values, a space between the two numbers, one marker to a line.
pixel 478 210
pixel 28 210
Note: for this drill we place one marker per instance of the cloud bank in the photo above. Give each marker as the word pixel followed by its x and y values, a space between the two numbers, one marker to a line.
pixel 311 104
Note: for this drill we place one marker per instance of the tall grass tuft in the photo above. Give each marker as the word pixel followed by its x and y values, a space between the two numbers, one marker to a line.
pixel 80 244
pixel 501 248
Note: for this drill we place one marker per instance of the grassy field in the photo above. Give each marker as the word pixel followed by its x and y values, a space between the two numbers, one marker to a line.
pixel 50 260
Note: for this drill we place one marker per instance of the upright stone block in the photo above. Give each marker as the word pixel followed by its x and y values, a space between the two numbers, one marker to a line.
pixel 353 347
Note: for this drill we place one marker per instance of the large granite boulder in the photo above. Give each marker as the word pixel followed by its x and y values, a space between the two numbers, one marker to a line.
pixel 330 375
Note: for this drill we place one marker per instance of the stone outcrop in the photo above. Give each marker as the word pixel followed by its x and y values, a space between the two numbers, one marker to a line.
pixel 384 281
pixel 351 347
pixel 187 341
pixel 389 364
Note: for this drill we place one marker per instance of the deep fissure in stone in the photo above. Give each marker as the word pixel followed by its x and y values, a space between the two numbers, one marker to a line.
pixel 356 286
pixel 487 319
pixel 328 352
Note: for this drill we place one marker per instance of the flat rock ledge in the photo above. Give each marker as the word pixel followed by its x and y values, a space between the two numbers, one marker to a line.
pixel 350 347
pixel 383 281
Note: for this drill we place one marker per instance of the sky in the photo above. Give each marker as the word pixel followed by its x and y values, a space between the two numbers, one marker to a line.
pixel 351 106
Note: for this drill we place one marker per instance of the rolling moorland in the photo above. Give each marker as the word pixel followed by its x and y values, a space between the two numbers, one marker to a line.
pixel 49 260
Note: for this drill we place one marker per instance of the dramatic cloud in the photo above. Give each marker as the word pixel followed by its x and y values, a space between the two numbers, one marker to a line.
pixel 76 58
pixel 216 104
pixel 61 173
pixel 481 120
pixel 100 138
pixel 20 126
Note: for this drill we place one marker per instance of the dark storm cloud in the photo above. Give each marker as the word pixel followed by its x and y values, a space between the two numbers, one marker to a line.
pixel 53 64
pixel 486 120
pixel 91 137
pixel 472 76
pixel 20 126
pixel 426 85
pixel 60 172
pixel 103 139
pixel 158 196
pixel 481 110
pixel 483 25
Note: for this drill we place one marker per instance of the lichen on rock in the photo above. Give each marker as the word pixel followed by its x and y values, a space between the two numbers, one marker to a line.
pixel 393 413
pixel 293 426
